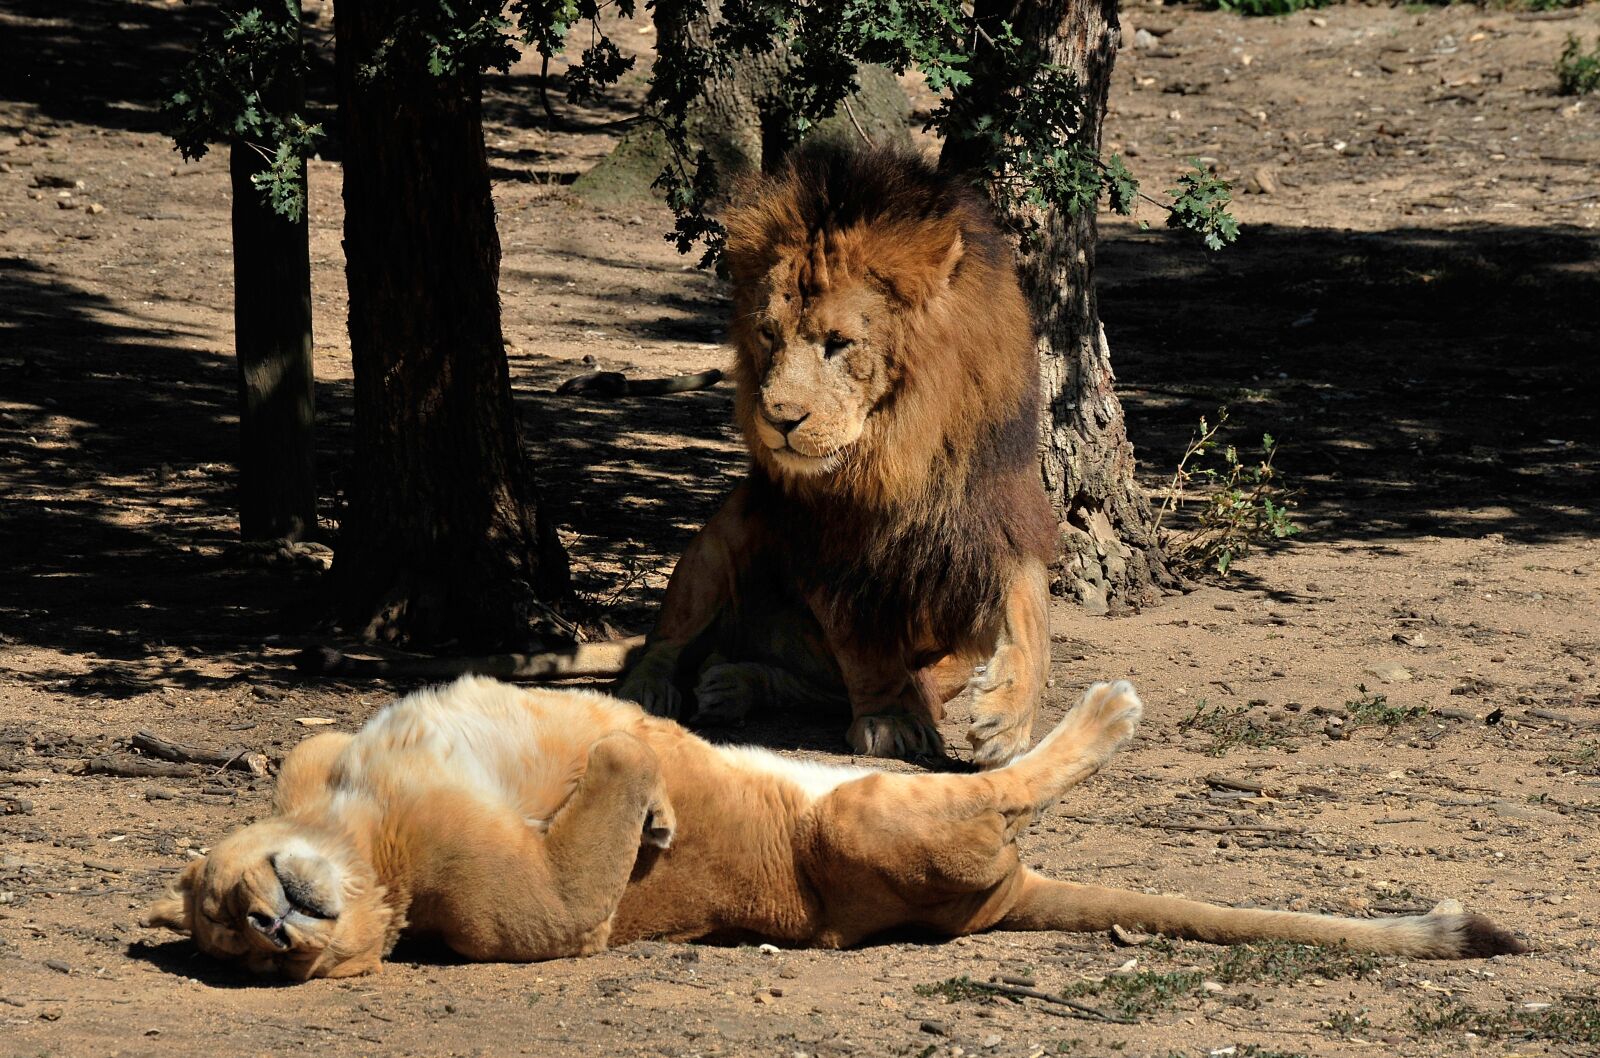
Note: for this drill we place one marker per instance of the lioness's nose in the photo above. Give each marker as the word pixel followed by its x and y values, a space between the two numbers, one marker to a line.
pixel 783 417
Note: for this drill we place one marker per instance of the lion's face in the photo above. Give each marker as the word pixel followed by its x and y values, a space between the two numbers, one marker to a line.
pixel 822 365
pixel 282 900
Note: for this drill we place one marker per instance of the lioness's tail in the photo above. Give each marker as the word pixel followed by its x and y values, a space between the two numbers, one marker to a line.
pixel 609 658
pixel 1443 933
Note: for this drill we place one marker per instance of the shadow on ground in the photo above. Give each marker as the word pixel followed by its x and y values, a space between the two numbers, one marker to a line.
pixel 1419 381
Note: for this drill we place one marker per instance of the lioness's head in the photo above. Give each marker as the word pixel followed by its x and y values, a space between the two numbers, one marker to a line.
pixel 858 320
pixel 282 899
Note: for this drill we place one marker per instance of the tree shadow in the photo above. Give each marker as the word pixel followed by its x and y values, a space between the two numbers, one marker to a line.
pixel 1419 381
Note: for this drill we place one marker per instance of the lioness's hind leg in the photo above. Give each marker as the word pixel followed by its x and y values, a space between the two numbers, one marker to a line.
pixel 1103 721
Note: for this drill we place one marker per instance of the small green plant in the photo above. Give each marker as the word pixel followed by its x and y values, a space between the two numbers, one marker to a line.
pixel 1286 963
pixel 1248 1050
pixel 1229 728
pixel 1584 758
pixel 1264 7
pixel 1578 71
pixel 1372 709
pixel 1141 992
pixel 1348 1023
pixel 1243 504
pixel 1573 1020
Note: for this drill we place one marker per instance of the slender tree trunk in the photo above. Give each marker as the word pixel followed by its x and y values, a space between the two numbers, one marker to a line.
pixel 272 341
pixel 443 541
pixel 1110 555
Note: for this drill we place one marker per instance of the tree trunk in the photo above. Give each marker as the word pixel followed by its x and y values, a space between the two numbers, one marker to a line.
pixel 1111 557
pixel 443 541
pixel 272 341
pixel 740 117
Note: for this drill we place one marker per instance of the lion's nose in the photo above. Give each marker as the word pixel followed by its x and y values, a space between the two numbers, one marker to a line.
pixel 783 418
pixel 269 926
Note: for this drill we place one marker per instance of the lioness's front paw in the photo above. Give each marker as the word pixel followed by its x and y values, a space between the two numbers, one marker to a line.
pixel 726 692
pixel 894 735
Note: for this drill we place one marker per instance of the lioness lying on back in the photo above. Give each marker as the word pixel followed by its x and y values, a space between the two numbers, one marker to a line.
pixel 522 824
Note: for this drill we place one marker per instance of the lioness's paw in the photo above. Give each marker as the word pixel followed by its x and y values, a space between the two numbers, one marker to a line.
pixel 894 735
pixel 726 692
pixel 619 757
pixel 998 734
pixel 660 822
pixel 1109 713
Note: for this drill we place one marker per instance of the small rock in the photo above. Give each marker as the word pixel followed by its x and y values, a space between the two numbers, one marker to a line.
pixel 50 1014
pixel 1144 39
pixel 934 1028
pixel 1261 182
pixel 16 806
pixel 1526 813
pixel 1387 672
pixel 991 1041
pixel 95 209
pixel 1211 986
pixel 158 793
pixel 57 182
pixel 1335 728
pixel 58 966
pixel 66 203
pixel 1319 21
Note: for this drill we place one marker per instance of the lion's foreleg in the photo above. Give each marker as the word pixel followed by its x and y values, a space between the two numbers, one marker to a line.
pixel 1006 692
pixel 704 583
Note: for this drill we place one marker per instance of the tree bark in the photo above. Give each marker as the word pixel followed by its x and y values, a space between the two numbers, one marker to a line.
pixel 1110 556
pixel 443 541
pixel 272 343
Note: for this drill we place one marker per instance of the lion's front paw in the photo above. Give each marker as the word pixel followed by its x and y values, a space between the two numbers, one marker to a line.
pixel 726 692
pixel 999 733
pixel 651 684
pixel 894 735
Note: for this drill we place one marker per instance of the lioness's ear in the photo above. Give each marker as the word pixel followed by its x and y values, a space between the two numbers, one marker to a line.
pixel 175 911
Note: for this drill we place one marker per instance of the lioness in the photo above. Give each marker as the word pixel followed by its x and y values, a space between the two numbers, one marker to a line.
pixel 520 824
pixel 893 531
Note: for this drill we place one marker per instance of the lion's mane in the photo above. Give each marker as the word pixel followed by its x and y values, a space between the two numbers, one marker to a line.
pixel 919 530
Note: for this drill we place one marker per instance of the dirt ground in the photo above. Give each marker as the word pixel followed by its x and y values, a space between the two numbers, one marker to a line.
pixel 1413 310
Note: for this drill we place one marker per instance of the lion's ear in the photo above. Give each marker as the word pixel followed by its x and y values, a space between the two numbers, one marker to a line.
pixel 175 911
pixel 916 265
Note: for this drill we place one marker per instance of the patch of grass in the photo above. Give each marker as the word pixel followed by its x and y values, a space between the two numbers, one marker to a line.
pixel 1230 728
pixel 1372 709
pixel 1144 991
pixel 1578 71
pixel 1583 758
pixel 1575 1019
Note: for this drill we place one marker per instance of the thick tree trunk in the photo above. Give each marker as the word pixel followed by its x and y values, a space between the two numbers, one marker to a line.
pixel 443 541
pixel 739 116
pixel 272 342
pixel 1110 555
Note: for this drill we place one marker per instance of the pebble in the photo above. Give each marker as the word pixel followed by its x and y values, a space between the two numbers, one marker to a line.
pixel 58 966
pixel 992 1040
pixel 934 1028
pixel 15 806
pixel 1144 39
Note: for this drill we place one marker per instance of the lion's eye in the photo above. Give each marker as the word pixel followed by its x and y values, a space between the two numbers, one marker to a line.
pixel 769 336
pixel 836 344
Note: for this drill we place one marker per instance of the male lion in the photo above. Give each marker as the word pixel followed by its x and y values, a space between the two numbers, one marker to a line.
pixel 893 531
pixel 522 824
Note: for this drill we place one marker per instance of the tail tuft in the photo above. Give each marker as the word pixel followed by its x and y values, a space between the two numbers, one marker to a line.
pixel 1475 937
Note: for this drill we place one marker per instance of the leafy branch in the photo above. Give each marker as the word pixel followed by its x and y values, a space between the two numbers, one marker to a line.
pixel 235 87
